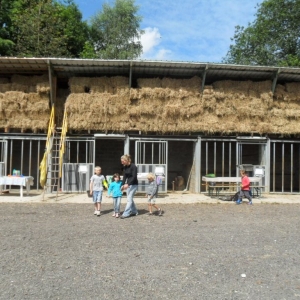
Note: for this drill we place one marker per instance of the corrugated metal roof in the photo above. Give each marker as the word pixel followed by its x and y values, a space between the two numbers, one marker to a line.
pixel 139 68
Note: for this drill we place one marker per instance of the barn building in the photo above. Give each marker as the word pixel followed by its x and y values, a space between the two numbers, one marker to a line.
pixel 182 120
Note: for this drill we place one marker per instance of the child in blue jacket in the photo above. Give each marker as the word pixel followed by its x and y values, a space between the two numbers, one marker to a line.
pixel 115 190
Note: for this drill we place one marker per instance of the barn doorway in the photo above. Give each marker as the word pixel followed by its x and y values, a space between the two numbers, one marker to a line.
pixel 252 156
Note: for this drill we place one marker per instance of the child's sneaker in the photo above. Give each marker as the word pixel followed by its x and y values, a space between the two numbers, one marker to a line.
pixel 250 203
pixel 114 214
pixel 239 201
pixel 95 212
pixel 150 214
pixel 160 212
pixel 98 213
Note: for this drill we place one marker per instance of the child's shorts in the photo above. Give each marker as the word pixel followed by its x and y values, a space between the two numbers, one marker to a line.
pixel 152 201
pixel 97 196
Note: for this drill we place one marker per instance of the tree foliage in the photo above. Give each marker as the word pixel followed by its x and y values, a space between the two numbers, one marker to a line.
pixel 46 28
pixel 6 44
pixel 115 32
pixel 273 39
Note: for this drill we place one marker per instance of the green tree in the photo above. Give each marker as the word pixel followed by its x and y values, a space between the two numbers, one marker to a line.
pixel 6 44
pixel 74 28
pixel 273 39
pixel 47 28
pixel 115 32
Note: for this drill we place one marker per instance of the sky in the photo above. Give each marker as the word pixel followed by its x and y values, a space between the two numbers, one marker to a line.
pixel 185 30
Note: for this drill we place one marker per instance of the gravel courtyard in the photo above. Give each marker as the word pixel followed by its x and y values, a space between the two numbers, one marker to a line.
pixel 194 251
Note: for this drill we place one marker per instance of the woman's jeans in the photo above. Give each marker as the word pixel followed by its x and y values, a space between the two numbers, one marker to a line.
pixel 117 203
pixel 130 206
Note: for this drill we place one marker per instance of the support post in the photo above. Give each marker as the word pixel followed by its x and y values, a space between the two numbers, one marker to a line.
pixel 126 145
pixel 197 158
pixel 204 78
pixel 275 78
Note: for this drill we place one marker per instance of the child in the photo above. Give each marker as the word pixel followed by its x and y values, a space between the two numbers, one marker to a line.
pixel 245 188
pixel 115 190
pixel 152 194
pixel 96 189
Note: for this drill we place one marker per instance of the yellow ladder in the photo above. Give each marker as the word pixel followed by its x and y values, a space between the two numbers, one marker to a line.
pixel 44 162
pixel 51 165
pixel 64 130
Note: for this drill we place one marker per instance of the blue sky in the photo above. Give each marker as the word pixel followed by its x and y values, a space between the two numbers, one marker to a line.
pixel 185 30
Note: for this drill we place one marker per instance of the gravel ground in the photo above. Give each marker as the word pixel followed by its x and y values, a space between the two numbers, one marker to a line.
pixel 194 251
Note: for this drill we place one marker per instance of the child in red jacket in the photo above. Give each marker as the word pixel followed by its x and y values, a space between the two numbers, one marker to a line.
pixel 245 188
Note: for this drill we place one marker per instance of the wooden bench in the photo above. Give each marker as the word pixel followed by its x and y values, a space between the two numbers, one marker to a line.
pixel 256 189
pixel 230 188
pixel 224 188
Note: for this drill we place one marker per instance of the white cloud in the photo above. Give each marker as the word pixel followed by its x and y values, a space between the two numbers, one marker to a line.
pixel 163 54
pixel 150 41
pixel 193 30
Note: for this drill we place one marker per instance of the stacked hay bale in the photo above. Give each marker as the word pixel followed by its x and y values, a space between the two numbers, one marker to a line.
pixel 24 102
pixel 166 105
pixel 98 103
pixel 109 105
pixel 285 112
pixel 237 106
pixel 170 105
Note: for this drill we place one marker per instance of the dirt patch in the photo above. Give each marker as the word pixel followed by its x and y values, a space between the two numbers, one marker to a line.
pixel 201 251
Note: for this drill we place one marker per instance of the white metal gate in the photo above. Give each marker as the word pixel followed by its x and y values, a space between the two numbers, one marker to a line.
pixel 285 166
pixel 3 158
pixel 78 164
pixel 152 157
pixel 253 155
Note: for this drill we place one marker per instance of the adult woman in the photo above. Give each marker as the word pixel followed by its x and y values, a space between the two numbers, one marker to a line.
pixel 130 184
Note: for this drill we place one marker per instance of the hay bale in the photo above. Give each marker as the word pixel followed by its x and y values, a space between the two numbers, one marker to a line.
pixel 96 85
pixel 29 84
pixel 16 87
pixel 77 89
pixel 149 83
pixel 278 113
pixel 97 89
pixel 193 84
pixel 293 113
pixel 280 92
pixel 80 81
pixel 261 86
pixel 230 86
pixel 78 84
pixel 26 111
pixel 119 82
pixel 293 87
pixel 287 92
pixel 5 87
pixel 102 81
pixel 171 108
pixel 96 111
pixel 43 88
pixel 171 111
pixel 32 122
pixel 29 80
pixel 14 96
pixel 267 98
